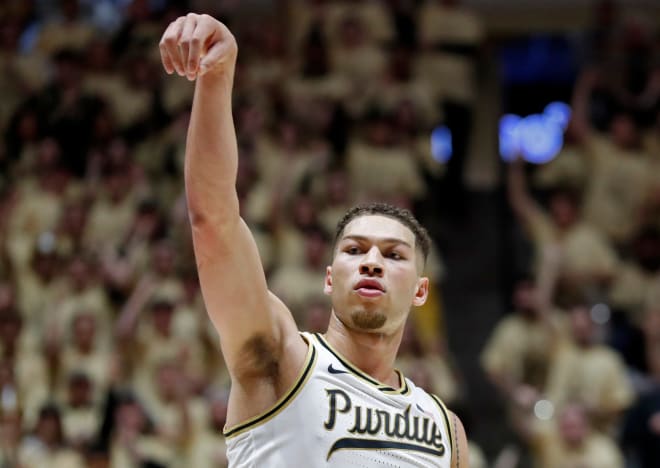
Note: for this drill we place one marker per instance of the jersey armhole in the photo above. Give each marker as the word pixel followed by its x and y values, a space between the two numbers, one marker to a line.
pixel 448 425
pixel 287 398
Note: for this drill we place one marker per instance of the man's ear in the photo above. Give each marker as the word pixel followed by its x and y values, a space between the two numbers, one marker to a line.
pixel 422 292
pixel 327 287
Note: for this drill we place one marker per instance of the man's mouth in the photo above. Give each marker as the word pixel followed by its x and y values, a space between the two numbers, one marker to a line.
pixel 369 288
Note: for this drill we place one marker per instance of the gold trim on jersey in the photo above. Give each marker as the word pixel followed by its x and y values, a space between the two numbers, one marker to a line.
pixel 403 385
pixel 283 402
pixel 450 429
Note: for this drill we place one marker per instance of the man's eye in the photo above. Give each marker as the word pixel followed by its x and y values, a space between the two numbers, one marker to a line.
pixel 395 256
pixel 352 250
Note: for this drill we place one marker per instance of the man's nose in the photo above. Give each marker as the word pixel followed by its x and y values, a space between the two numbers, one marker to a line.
pixel 372 263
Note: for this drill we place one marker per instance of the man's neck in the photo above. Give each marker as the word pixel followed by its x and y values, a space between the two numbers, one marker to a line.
pixel 372 353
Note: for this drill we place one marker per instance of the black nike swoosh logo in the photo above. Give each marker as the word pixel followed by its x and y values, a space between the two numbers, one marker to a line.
pixel 332 370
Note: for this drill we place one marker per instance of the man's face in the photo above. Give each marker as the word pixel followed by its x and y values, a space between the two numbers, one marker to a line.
pixel 80 392
pixel 525 297
pixel 374 277
pixel 164 259
pixel 623 131
pixel 79 273
pixel 573 425
pixel 84 331
pixel 563 210
pixel 582 326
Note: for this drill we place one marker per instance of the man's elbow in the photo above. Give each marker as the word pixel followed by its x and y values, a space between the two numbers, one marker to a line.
pixel 205 211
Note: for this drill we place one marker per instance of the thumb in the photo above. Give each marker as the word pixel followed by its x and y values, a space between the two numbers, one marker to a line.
pixel 220 54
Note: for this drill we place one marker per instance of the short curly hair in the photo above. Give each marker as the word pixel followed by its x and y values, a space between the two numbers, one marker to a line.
pixel 402 215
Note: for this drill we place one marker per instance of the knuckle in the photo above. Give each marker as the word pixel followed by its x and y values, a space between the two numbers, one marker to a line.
pixel 233 44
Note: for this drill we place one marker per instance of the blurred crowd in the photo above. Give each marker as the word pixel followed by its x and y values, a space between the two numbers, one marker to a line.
pixel 577 360
pixel 107 357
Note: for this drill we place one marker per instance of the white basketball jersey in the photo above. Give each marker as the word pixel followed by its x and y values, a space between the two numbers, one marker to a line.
pixel 337 416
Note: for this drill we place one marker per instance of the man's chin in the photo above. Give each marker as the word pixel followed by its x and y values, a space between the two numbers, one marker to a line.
pixel 366 320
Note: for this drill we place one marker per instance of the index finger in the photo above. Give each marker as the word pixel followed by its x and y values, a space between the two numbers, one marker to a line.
pixel 203 33
pixel 169 46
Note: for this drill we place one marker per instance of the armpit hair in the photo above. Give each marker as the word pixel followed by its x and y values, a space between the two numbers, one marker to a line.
pixel 259 358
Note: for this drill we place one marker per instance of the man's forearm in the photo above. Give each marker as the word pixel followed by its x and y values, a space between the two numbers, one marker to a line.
pixel 201 48
pixel 211 150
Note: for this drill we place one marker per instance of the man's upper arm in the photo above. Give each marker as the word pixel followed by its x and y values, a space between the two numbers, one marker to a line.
pixel 254 328
pixel 460 456
pixel 252 324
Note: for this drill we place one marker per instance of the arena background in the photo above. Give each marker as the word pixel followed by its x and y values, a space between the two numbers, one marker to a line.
pixel 543 327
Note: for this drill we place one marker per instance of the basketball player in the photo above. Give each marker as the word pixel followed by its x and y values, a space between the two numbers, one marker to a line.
pixel 304 400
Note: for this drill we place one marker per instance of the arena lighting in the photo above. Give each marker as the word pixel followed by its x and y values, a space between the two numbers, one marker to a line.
pixel 441 144
pixel 544 410
pixel 538 138
pixel 8 399
pixel 601 314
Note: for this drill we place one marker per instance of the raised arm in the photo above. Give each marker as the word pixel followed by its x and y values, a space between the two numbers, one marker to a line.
pixel 521 201
pixel 256 330
pixel 548 277
pixel 584 86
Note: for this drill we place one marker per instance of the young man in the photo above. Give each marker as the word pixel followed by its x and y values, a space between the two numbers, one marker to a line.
pixel 304 400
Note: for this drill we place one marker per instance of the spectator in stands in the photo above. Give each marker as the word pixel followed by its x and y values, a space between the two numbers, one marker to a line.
pixel 431 371
pixel 315 77
pixel 354 54
pixel 81 418
pixel 22 138
pixel 11 433
pixel 70 229
pixel 68 109
pixel 83 292
pixel 567 439
pixel 129 436
pixel 641 430
pixel 450 36
pixel 520 350
pixel 589 373
pixel 637 282
pixel 332 191
pixel 46 446
pixel 41 288
pixel 620 177
pixel 66 30
pixel 178 416
pixel 290 225
pixel 283 161
pixel 380 167
pixel 650 348
pixel 38 204
pixel 83 350
pixel 299 284
pixel 24 368
pixel 588 260
pixel 111 213
pixel 209 447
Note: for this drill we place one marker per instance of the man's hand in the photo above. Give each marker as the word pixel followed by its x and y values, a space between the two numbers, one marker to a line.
pixel 194 45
